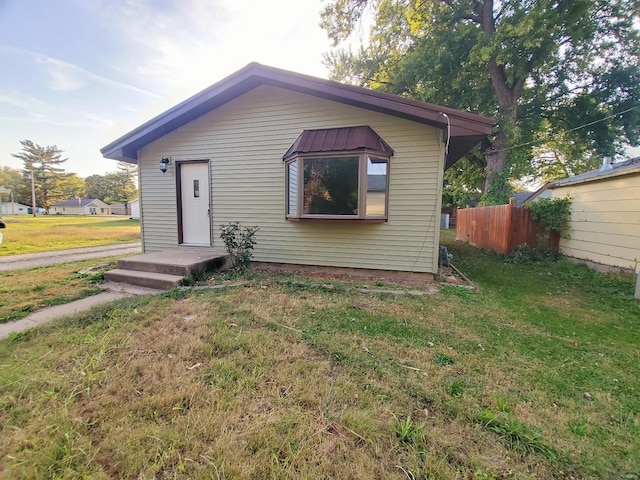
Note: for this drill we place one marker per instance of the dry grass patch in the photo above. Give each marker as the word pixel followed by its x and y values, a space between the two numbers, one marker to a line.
pixel 299 378
pixel 25 291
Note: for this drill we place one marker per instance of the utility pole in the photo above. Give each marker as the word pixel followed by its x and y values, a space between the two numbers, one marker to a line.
pixel 33 193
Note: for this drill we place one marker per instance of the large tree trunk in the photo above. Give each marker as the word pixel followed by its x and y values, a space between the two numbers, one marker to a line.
pixel 496 158
pixel 507 94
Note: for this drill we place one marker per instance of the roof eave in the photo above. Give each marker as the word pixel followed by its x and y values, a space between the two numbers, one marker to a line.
pixel 462 124
pixel 126 147
pixel 610 174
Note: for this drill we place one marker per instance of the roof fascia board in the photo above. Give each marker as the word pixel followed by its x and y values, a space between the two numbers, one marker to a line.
pixel 389 104
pixel 125 148
pixel 612 174
pixel 168 121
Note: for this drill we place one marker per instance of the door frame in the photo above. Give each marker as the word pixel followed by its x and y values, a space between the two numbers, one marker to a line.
pixel 179 164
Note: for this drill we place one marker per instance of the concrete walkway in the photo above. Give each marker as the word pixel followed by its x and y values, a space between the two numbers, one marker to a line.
pixel 113 291
pixel 33 260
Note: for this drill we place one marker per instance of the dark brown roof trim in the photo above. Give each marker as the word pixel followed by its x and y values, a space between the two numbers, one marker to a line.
pixel 467 129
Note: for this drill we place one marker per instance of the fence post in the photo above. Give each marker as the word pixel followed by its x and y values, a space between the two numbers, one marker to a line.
pixel 509 224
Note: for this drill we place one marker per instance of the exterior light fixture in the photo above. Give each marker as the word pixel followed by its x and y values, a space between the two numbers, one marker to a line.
pixel 164 164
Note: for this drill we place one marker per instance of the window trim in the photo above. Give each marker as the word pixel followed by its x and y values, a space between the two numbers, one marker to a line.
pixel 363 156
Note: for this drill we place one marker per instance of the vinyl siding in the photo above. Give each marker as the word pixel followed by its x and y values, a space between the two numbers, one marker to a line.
pixel 605 221
pixel 245 140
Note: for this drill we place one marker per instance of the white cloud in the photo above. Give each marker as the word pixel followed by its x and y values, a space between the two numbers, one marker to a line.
pixel 150 54
pixel 62 78
pixel 190 44
pixel 99 121
pixel 65 76
pixel 20 100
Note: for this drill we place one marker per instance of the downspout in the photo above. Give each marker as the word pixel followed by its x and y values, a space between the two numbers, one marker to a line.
pixel 437 207
pixel 438 212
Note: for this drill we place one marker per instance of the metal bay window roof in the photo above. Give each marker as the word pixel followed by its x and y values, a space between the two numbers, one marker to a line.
pixel 345 139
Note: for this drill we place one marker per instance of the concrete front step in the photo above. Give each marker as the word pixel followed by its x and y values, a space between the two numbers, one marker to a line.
pixel 181 263
pixel 159 281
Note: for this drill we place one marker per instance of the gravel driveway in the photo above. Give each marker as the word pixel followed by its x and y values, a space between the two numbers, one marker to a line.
pixel 32 260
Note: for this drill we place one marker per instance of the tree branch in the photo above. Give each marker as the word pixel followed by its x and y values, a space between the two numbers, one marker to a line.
pixel 467 16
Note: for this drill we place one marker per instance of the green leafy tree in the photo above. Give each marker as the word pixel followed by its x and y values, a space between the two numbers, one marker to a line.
pixel 462 185
pixel 563 74
pixel 72 185
pixel 118 186
pixel 99 186
pixel 44 163
pixel 10 179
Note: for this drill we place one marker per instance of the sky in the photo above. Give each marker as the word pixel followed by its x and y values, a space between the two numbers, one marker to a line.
pixel 79 74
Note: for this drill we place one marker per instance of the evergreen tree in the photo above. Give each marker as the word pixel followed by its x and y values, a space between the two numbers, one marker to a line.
pixel 43 163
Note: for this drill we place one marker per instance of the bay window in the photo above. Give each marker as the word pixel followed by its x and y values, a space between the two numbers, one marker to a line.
pixel 334 174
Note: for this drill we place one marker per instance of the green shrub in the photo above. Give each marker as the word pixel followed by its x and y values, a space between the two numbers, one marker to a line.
pixel 553 214
pixel 239 242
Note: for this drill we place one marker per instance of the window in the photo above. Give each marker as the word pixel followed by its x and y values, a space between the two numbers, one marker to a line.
pixel 338 174
pixel 341 187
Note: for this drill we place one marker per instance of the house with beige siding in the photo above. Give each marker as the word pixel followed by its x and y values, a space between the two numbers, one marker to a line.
pixel 80 206
pixel 605 214
pixel 335 176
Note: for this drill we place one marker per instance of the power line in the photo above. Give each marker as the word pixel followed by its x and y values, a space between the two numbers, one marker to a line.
pixel 548 137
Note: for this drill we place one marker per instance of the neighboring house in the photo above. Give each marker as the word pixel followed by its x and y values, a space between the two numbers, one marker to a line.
pixel 83 206
pixel 605 214
pixel 13 208
pixel 118 209
pixel 334 175
pixel 521 197
pixel 134 207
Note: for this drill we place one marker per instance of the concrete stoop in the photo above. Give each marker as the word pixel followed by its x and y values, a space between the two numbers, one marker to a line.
pixel 165 270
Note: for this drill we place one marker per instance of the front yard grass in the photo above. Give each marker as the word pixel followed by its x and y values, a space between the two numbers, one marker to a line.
pixel 25 291
pixel 533 376
pixel 27 234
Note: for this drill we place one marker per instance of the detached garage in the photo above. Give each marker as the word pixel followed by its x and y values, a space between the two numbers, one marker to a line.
pixel 605 214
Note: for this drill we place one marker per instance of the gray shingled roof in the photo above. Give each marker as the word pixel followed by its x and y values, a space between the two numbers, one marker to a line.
pixel 73 202
pixel 620 168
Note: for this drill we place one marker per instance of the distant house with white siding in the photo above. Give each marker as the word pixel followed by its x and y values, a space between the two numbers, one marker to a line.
pixel 134 207
pixel 82 206
pixel 13 208
pixel 605 214
pixel 335 176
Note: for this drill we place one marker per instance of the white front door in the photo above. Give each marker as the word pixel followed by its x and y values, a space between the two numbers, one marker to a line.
pixel 194 203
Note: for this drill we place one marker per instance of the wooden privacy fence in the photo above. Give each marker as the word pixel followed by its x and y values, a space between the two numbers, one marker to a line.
pixel 501 228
